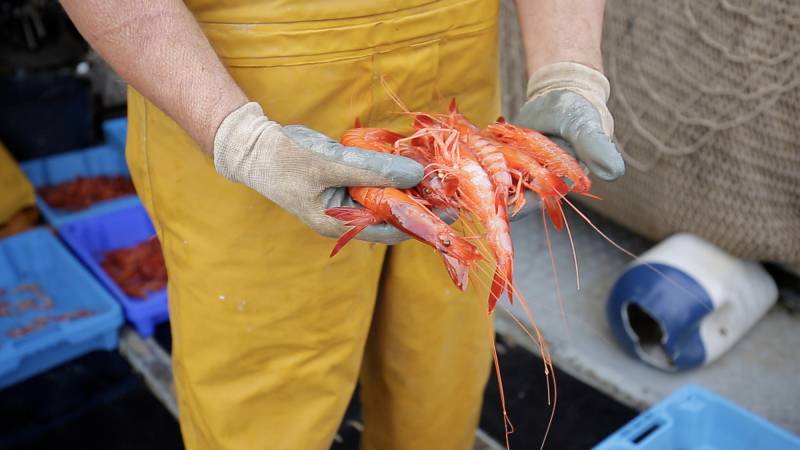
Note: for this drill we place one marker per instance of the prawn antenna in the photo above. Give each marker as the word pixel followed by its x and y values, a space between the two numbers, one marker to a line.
pixel 634 256
pixel 392 94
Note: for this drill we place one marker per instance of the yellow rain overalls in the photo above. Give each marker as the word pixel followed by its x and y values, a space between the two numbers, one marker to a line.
pixel 270 335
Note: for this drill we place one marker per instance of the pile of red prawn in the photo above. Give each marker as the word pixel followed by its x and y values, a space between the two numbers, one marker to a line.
pixel 29 297
pixel 138 270
pixel 83 192
pixel 476 172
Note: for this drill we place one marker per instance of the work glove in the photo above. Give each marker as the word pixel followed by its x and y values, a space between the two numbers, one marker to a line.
pixel 567 102
pixel 306 172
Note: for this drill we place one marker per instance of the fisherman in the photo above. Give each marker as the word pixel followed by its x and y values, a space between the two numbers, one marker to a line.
pixel 270 336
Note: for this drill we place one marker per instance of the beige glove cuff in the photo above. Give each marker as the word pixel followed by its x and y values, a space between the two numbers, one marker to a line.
pixel 583 80
pixel 236 139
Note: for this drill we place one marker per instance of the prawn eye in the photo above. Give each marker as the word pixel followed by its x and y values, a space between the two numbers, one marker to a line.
pixel 445 240
pixel 427 190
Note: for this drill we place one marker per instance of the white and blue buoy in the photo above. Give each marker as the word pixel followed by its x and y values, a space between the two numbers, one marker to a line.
pixel 685 302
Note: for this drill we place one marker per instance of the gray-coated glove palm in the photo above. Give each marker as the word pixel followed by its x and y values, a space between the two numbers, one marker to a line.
pixel 306 172
pixel 567 101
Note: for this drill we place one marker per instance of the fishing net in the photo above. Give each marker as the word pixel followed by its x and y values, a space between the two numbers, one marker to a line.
pixel 706 98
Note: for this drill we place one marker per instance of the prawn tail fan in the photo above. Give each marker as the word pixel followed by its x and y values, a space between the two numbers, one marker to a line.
pixel 356 218
pixel 553 207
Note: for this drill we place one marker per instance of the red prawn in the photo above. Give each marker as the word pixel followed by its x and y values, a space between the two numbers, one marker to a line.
pixel 434 188
pixel 477 195
pixel 545 151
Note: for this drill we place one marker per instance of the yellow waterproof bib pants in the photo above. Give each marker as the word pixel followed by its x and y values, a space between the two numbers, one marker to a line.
pixel 270 335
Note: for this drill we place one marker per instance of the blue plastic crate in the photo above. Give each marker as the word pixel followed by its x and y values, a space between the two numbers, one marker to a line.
pixel 115 132
pixel 694 418
pixel 90 238
pixel 93 161
pixel 38 257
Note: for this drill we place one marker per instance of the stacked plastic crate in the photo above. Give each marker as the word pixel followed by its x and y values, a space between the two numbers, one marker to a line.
pixel 695 418
pixel 51 308
pixel 54 306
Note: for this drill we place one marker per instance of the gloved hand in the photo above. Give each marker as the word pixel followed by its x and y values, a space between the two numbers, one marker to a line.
pixel 304 171
pixel 567 101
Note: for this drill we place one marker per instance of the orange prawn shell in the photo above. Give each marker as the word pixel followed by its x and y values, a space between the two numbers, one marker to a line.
pixel 370 138
pixel 405 213
pixel 436 191
pixel 544 151
pixel 479 197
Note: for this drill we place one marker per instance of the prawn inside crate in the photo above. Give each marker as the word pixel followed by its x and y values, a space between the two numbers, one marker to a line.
pixel 89 162
pixel 92 238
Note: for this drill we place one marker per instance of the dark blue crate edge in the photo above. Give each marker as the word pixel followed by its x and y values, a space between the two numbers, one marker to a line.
pixel 99 208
